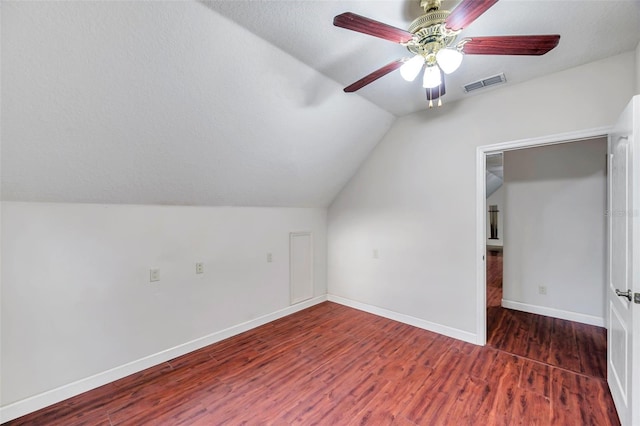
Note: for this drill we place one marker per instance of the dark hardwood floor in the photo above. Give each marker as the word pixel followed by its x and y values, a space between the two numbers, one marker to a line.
pixel 565 344
pixel 333 365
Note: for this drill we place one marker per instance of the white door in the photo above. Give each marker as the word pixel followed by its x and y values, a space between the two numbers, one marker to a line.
pixel 623 343
pixel 301 266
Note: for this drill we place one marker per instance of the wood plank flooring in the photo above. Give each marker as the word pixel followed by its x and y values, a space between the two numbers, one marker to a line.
pixel 569 345
pixel 333 365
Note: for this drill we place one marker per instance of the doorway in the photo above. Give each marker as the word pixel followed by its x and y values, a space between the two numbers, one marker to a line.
pixel 544 334
pixel 481 208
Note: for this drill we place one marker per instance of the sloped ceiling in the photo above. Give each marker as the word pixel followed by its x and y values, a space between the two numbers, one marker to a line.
pixel 168 103
pixel 590 30
pixel 220 102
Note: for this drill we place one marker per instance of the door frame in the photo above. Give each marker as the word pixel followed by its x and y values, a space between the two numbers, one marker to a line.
pixel 481 201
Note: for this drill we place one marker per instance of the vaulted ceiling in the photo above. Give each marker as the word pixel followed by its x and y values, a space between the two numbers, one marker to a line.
pixel 590 30
pixel 234 102
pixel 168 103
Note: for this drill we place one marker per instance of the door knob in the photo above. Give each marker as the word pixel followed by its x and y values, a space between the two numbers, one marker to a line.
pixel 628 294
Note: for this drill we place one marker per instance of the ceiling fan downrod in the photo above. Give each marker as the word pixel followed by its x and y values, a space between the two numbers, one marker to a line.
pixel 429 5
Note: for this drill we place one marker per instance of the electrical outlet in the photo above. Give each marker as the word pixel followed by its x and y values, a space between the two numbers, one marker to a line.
pixel 269 257
pixel 542 289
pixel 199 268
pixel 154 275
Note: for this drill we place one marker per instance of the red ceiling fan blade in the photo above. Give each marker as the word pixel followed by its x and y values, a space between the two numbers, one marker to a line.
pixel 358 23
pixel 510 45
pixel 380 72
pixel 467 12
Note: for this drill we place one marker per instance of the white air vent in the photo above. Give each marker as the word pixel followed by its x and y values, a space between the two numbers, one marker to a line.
pixel 485 82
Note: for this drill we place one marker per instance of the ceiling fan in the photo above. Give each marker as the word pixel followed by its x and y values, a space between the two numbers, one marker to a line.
pixel 432 38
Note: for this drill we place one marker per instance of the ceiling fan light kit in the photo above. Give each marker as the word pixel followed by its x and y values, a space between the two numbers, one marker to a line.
pixel 449 60
pixel 432 77
pixel 411 68
pixel 432 39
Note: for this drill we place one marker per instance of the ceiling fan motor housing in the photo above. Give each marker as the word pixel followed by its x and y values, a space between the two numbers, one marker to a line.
pixel 430 33
pixel 435 17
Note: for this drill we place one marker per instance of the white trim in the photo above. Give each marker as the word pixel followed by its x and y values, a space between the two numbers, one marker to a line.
pixel 36 402
pixel 406 319
pixel 481 246
pixel 481 232
pixel 634 362
pixel 556 139
pixel 552 312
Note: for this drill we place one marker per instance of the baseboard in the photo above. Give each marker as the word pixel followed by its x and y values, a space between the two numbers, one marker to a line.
pixel 407 319
pixel 36 402
pixel 555 313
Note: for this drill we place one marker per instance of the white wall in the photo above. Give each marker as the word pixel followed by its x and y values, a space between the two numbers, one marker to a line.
pixel 496 199
pixel 76 296
pixel 414 197
pixel 556 199
pixel 149 102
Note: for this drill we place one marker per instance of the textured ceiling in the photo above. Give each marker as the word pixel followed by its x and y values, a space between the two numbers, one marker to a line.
pixel 168 103
pixel 234 102
pixel 589 30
